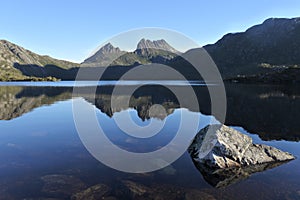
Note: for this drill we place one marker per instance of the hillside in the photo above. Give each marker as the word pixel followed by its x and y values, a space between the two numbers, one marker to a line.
pixel 18 63
pixel 268 52
pixel 270 48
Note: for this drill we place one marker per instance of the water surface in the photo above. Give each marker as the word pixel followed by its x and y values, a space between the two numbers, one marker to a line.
pixel 42 156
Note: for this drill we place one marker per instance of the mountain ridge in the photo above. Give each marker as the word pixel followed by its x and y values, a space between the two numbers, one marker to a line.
pixel 13 56
pixel 155 44
pixel 267 52
pixel 147 51
pixel 270 47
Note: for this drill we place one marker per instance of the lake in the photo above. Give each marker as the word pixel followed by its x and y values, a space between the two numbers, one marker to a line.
pixel 42 155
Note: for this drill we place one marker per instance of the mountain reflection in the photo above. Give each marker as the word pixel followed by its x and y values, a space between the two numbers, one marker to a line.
pixel 270 111
pixel 16 100
pixel 141 100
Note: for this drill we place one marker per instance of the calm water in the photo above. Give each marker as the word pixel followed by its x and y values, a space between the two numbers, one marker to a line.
pixel 42 156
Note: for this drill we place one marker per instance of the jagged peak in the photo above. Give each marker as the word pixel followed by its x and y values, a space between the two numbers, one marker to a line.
pixel 109 48
pixel 105 55
pixel 155 44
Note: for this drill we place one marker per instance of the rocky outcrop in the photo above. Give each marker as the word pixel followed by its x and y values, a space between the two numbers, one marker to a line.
pixel 219 147
pixel 155 44
pixel 103 57
pixel 157 51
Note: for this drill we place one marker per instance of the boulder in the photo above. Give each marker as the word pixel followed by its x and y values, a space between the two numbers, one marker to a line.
pixel 62 186
pixel 95 192
pixel 198 194
pixel 220 147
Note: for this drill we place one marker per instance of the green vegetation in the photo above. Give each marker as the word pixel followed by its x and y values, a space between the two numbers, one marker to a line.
pixel 19 64
pixel 15 75
pixel 129 59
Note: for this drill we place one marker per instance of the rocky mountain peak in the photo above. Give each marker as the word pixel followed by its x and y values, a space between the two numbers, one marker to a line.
pixel 155 44
pixel 104 56
pixel 108 49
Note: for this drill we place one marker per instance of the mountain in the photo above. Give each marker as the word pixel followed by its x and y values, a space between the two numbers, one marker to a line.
pixel 148 47
pixel 266 49
pixel 104 56
pixel 18 63
pixel 268 52
pixel 147 51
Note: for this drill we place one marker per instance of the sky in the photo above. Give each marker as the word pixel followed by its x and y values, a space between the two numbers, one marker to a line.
pixel 72 29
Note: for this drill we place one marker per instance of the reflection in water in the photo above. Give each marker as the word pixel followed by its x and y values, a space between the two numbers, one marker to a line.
pixel 272 112
pixel 220 178
pixel 17 100
pixel 42 157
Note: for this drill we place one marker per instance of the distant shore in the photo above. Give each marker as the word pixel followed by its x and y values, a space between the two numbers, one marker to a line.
pixel 246 80
pixel 33 79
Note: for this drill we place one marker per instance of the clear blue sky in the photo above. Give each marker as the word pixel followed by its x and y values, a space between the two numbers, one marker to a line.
pixel 71 29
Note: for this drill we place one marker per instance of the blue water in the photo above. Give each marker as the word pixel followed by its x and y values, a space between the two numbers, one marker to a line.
pixel 104 83
pixel 43 140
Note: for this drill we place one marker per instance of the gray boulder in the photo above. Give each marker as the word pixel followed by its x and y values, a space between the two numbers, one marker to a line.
pixel 220 147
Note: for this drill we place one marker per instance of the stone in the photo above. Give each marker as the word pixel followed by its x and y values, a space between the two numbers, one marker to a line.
pixel 219 147
pixel 62 186
pixel 156 44
pixel 197 194
pixel 95 192
pixel 136 188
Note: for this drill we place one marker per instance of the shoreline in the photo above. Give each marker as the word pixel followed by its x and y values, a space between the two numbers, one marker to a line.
pixel 230 80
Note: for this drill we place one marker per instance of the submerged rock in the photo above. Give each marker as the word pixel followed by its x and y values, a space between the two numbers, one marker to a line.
pixel 136 189
pixel 57 185
pixel 219 147
pixel 197 194
pixel 130 189
pixel 95 192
